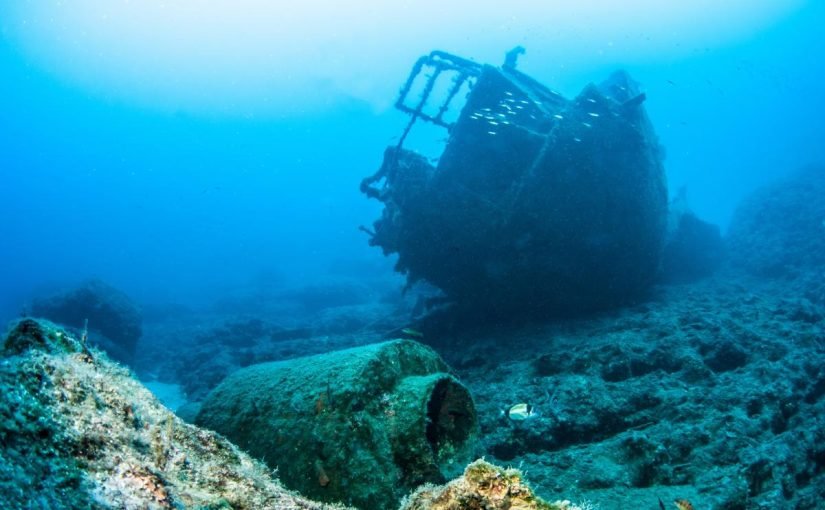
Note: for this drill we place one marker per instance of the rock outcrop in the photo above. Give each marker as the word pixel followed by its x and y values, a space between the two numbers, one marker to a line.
pixel 78 431
pixel 113 320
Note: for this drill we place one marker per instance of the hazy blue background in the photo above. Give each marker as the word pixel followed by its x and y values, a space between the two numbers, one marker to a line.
pixel 181 149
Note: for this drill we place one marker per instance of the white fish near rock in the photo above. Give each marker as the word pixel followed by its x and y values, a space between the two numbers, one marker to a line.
pixel 520 412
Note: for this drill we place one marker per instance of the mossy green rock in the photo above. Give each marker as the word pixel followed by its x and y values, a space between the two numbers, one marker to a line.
pixel 362 426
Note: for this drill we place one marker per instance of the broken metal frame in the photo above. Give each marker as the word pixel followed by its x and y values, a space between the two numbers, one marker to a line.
pixel 440 61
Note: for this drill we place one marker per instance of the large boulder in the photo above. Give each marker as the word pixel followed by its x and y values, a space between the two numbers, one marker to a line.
pixel 779 230
pixel 112 320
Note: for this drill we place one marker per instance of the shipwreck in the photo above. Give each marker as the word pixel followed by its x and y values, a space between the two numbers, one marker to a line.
pixel 538 205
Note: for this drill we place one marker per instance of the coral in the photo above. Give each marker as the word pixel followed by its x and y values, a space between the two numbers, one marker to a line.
pixel 482 487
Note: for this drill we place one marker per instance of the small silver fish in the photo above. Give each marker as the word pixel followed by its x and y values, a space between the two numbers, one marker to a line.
pixel 414 333
pixel 593 114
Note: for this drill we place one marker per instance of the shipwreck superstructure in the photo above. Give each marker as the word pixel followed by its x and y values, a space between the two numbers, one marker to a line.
pixel 538 203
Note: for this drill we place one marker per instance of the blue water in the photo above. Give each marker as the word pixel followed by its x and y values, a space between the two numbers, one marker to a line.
pixel 179 201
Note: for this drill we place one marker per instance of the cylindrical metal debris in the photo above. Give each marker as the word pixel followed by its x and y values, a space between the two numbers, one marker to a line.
pixel 362 426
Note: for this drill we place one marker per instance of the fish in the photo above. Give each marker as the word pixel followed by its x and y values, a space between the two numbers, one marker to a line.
pixel 558 116
pixel 412 333
pixel 661 504
pixel 593 114
pixel 683 504
pixel 491 132
pixel 520 412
